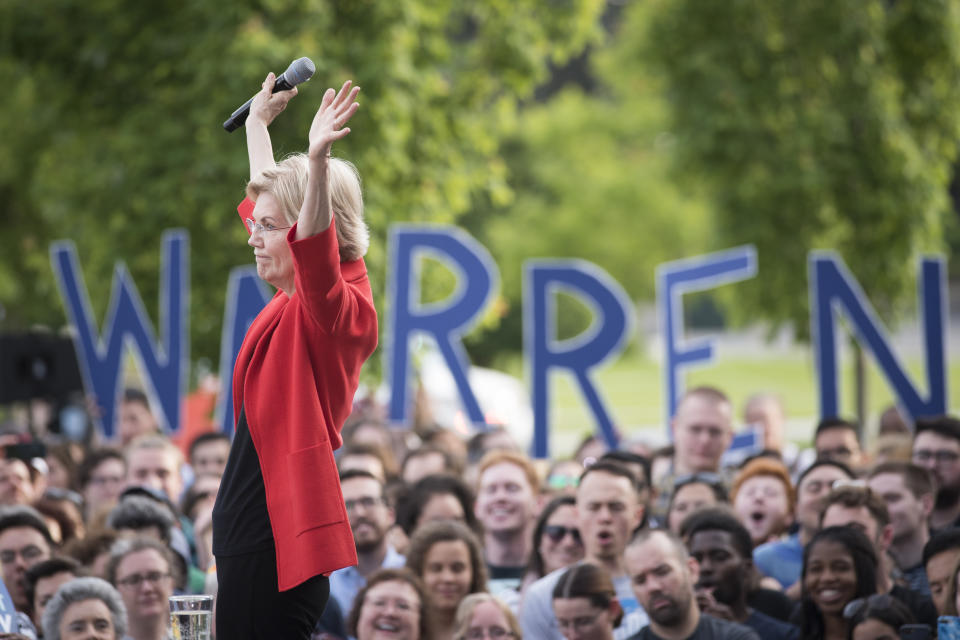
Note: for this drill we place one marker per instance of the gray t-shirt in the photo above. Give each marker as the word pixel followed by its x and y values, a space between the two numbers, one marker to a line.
pixel 709 628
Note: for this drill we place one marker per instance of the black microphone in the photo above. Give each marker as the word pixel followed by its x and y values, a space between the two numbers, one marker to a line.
pixel 300 70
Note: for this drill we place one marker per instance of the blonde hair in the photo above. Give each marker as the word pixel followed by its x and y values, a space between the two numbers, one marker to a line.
pixel 287 182
pixel 464 615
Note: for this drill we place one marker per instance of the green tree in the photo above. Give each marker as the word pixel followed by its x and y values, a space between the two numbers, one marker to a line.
pixel 111 124
pixel 590 174
pixel 817 124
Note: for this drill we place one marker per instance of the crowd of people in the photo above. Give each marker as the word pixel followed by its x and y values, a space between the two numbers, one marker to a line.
pixel 461 538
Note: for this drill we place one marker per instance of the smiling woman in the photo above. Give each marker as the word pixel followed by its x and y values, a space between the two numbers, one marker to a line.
pixel 839 566
pixel 393 602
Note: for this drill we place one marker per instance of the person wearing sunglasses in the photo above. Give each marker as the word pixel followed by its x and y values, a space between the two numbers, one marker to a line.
pixel 481 616
pixel 556 539
pixel 144 572
pixel 280 511
pixel 878 617
pixel 608 511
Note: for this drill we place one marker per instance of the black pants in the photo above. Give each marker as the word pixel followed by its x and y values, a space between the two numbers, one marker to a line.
pixel 250 606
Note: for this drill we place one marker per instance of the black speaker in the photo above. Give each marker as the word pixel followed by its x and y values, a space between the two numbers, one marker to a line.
pixel 37 365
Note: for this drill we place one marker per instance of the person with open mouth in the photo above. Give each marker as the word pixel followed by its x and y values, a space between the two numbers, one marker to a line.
pixel 763 499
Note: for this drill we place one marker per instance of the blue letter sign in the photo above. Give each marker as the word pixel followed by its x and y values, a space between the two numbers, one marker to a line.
pixel 685 276
pixel 446 321
pixel 579 355
pixel 163 364
pixel 833 289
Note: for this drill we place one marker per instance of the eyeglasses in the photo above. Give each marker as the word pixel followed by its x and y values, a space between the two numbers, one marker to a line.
pixel 134 581
pixel 578 624
pixel 943 456
pixel 476 633
pixel 556 533
pixel 877 601
pixel 367 502
pixel 28 553
pixel 253 227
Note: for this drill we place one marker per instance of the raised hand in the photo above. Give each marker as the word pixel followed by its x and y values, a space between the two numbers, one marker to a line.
pixel 267 105
pixel 335 111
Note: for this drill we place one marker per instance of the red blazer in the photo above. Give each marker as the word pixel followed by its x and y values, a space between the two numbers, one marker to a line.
pixel 295 377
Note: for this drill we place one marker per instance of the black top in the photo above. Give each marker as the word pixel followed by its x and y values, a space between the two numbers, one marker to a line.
pixel 771 602
pixel 709 628
pixel 920 606
pixel 770 628
pixel 241 523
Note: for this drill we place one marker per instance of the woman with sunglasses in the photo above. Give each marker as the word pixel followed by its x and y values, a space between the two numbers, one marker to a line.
pixel 279 513
pixel 878 617
pixel 556 539
pixel 839 566
pixel 585 603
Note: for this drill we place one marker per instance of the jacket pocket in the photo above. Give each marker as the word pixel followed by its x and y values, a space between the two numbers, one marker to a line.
pixel 315 488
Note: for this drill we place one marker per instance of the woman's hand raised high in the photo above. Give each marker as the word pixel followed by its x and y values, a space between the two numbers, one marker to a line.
pixel 329 123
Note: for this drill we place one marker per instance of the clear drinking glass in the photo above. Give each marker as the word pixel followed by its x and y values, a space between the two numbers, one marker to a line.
pixel 191 617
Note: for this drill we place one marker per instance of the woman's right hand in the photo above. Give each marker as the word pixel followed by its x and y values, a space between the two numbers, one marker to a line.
pixel 267 105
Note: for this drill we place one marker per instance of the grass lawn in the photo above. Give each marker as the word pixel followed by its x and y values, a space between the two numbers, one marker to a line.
pixel 632 388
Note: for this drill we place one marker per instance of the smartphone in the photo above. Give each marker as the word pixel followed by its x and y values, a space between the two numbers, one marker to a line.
pixel 948 628
pixel 26 451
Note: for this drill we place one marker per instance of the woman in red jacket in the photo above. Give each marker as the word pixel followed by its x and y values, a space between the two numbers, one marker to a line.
pixel 279 523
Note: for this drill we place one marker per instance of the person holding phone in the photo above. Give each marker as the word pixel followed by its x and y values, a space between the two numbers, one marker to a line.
pixel 279 522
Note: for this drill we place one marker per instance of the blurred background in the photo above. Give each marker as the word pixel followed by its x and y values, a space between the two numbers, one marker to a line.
pixel 626 133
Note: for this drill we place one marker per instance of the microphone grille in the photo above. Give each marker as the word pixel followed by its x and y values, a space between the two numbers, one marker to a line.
pixel 300 70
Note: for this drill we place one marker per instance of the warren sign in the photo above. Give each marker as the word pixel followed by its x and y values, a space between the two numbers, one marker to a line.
pixel 163 353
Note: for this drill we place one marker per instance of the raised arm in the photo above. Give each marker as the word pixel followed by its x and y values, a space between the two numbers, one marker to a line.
pixel 265 107
pixel 328 126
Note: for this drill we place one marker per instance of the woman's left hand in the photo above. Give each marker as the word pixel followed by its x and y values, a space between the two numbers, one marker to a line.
pixel 328 124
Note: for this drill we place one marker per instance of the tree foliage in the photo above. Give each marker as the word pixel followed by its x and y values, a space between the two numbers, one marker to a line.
pixel 590 173
pixel 112 111
pixel 818 124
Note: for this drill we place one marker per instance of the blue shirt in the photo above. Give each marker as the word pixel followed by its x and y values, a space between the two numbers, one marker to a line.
pixel 782 560
pixel 346 583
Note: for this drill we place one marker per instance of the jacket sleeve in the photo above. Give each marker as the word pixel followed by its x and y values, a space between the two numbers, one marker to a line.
pixel 336 305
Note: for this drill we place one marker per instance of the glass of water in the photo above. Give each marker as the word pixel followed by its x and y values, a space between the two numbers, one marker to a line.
pixel 191 617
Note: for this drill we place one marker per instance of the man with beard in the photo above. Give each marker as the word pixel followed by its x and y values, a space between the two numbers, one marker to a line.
pixel 663 576
pixel 370 519
pixel 908 491
pixel 608 511
pixel 722 548
pixel 936 446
